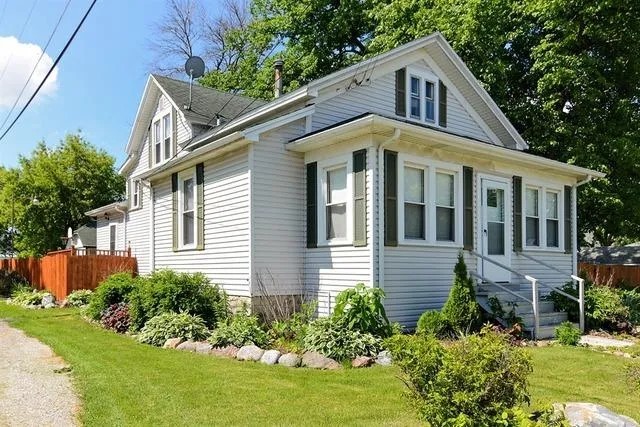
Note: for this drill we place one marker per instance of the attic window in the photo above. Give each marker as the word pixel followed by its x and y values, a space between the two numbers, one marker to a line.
pixel 162 134
pixel 421 96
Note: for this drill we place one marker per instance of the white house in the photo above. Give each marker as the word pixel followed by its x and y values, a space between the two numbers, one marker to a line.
pixel 380 173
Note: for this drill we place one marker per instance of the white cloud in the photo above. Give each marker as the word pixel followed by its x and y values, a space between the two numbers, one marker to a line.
pixel 19 59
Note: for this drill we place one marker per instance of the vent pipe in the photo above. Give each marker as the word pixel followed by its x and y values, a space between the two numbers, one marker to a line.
pixel 277 66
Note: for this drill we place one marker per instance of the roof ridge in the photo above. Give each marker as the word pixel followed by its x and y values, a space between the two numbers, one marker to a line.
pixel 197 84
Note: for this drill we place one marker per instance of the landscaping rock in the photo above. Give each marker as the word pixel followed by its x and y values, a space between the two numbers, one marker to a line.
pixel 291 360
pixel 187 346
pixel 270 357
pixel 172 342
pixel 48 300
pixel 203 347
pixel 362 362
pixel 311 359
pixel 250 352
pixel 228 351
pixel 384 358
pixel 592 415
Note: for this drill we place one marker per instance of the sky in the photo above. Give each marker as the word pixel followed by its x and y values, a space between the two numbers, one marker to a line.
pixel 97 85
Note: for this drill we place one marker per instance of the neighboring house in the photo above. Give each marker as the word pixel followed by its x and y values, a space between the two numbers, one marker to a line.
pixel 611 255
pixel 83 237
pixel 380 173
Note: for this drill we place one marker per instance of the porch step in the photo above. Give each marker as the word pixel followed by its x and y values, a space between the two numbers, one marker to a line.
pixel 546 331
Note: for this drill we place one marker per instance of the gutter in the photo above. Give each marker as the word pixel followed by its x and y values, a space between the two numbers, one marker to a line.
pixel 588 179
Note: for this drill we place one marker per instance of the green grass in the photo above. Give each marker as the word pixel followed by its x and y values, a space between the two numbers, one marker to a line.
pixel 122 382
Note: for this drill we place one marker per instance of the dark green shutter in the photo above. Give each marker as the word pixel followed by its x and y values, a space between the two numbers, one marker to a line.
pixel 360 198
pixel 174 209
pixel 568 212
pixel 467 221
pixel 401 92
pixel 442 105
pixel 517 214
pixel 200 206
pixel 390 198
pixel 312 205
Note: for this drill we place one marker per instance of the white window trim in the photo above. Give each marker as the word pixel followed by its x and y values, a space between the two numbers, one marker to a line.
pixel 159 118
pixel 543 188
pixel 323 167
pixel 135 201
pixel 431 167
pixel 182 176
pixel 428 76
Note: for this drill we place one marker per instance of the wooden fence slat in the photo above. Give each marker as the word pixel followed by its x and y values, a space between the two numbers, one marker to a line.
pixel 618 275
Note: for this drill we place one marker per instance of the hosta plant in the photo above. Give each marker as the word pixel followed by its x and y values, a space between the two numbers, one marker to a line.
pixel 160 328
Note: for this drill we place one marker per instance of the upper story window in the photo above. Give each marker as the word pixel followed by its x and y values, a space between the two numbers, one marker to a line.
pixel 162 134
pixel 135 193
pixel 543 217
pixel 422 96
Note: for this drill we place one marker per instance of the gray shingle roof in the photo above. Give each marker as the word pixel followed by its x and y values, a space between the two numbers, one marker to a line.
pixel 206 102
pixel 611 255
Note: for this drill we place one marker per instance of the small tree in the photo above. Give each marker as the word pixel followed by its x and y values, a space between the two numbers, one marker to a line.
pixel 461 309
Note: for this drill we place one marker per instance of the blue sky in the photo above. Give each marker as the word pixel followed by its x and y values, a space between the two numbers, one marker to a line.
pixel 100 79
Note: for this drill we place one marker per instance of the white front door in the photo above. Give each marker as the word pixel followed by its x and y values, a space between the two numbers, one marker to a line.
pixel 495 228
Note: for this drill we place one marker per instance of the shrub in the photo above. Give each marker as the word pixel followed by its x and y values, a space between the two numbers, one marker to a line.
pixel 240 329
pixel 472 381
pixel 361 308
pixel 9 281
pixel 432 323
pixel 604 307
pixel 568 334
pixel 25 296
pixel 633 375
pixel 631 300
pixel 173 325
pixel 334 338
pixel 79 298
pixel 167 291
pixel 461 310
pixel 562 303
pixel 116 317
pixel 289 333
pixel 113 290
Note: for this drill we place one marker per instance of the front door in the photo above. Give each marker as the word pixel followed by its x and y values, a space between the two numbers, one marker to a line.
pixel 495 228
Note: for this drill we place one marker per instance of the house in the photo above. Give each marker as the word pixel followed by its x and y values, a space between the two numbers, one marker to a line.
pixel 380 173
pixel 83 237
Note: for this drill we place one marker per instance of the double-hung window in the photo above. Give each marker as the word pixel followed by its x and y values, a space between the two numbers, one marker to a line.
pixel 422 96
pixel 112 237
pixel 187 210
pixel 445 207
pixel 416 99
pixel 166 132
pixel 157 144
pixel 135 193
pixel 532 202
pixel 336 203
pixel 162 134
pixel 414 203
pixel 542 217
pixel 553 219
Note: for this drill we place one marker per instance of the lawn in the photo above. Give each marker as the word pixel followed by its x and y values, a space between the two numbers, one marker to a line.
pixel 125 383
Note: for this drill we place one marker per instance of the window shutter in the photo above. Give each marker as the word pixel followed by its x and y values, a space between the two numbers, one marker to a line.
pixel 174 132
pixel 568 212
pixel 517 214
pixel 467 191
pixel 200 205
pixel 360 198
pixel 312 205
pixel 390 198
pixel 174 209
pixel 442 104
pixel 401 92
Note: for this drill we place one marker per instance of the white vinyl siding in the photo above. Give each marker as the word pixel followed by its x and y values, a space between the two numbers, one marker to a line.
pixel 103 232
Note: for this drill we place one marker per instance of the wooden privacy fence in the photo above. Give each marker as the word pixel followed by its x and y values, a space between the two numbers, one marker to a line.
pixel 614 274
pixel 62 272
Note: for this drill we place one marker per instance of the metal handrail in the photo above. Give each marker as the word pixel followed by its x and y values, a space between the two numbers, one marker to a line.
pixel 492 261
pixel 544 264
pixel 497 285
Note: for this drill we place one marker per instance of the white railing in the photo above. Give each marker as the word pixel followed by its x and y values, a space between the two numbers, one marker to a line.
pixel 573 277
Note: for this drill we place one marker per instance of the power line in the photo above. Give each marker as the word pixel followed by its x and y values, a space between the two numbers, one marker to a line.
pixel 24 26
pixel 66 46
pixel 44 49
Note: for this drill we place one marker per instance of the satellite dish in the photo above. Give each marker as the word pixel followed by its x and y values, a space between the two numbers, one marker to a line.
pixel 194 67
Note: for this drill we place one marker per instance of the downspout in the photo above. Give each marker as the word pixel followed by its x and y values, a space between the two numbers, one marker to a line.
pixel 380 234
pixel 124 218
pixel 574 221
pixel 152 242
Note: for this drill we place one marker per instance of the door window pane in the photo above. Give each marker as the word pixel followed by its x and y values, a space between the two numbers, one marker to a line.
pixel 495 239
pixel 495 204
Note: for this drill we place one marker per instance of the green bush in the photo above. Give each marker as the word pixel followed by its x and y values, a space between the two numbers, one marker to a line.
pixel 25 296
pixel 9 281
pixel 288 334
pixel 469 382
pixel 79 298
pixel 568 334
pixel 631 300
pixel 239 329
pixel 633 374
pixel 432 323
pixel 173 325
pixel 461 310
pixel 362 309
pixel 113 290
pixel 167 291
pixel 562 303
pixel 334 338
pixel 604 307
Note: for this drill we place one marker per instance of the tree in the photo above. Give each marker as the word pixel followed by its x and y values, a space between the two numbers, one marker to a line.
pixel 53 188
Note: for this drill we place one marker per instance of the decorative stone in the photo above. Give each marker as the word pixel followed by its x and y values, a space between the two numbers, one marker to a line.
pixel 311 359
pixel 592 415
pixel 362 362
pixel 203 347
pixel 187 346
pixel 250 352
pixel 291 360
pixel 270 357
pixel 51 305
pixel 228 351
pixel 47 300
pixel 384 358
pixel 172 342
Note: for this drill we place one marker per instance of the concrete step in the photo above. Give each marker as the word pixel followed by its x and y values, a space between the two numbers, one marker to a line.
pixel 546 319
pixel 546 331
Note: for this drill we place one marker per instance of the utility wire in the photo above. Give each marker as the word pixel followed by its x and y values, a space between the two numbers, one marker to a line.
pixel 66 46
pixel 44 49
pixel 24 26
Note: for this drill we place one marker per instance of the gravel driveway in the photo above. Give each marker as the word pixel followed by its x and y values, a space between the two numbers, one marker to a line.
pixel 31 393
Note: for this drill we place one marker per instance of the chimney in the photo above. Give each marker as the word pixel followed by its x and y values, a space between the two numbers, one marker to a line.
pixel 277 66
